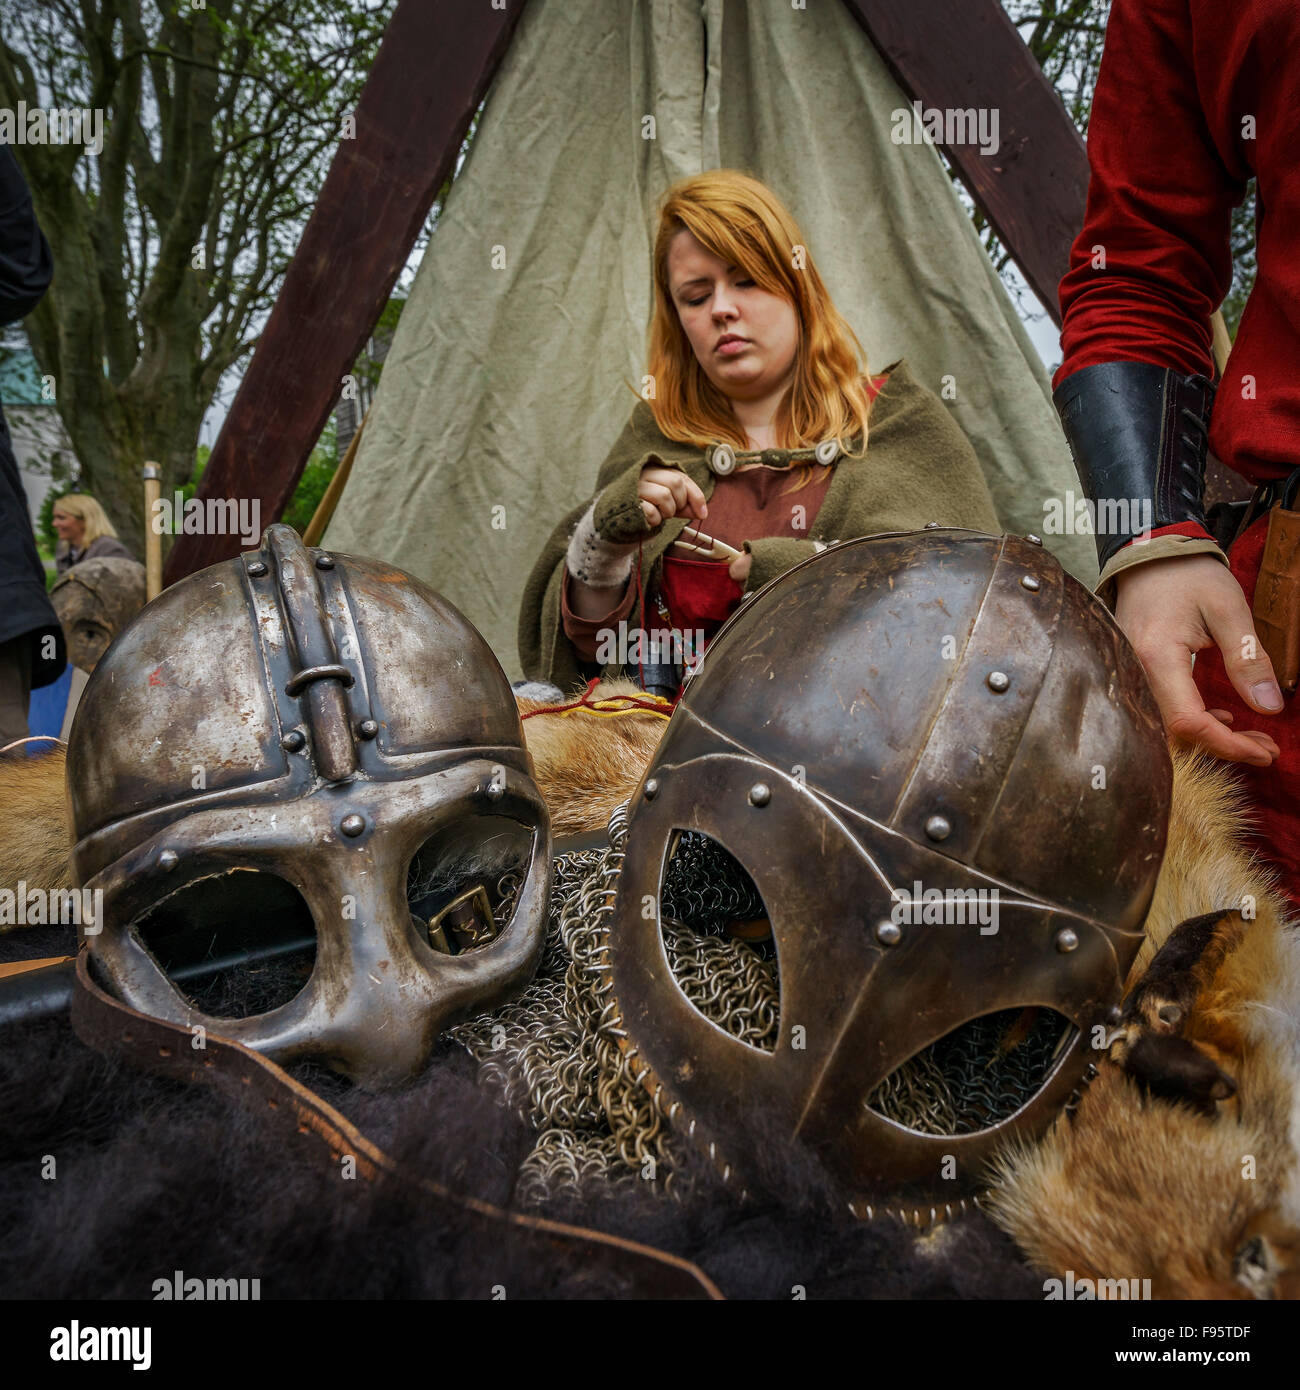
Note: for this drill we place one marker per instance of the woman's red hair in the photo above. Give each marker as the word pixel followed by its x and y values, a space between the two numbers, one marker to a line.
pixel 742 222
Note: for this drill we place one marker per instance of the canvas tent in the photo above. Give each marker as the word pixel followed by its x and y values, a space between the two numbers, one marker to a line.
pixel 506 383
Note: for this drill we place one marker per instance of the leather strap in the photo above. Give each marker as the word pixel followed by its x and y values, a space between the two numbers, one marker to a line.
pixel 1139 435
pixel 1276 609
pixel 21 967
pixel 554 1250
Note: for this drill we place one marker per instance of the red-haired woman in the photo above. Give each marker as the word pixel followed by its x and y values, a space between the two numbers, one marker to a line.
pixel 753 431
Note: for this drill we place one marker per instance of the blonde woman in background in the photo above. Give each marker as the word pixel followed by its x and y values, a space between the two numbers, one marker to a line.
pixel 85 532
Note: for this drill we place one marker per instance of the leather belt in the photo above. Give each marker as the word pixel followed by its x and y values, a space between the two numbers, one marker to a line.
pixel 554 1251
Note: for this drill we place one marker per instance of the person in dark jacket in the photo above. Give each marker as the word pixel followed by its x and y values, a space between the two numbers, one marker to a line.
pixel 32 650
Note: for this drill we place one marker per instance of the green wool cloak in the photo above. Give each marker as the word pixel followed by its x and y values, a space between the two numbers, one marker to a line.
pixel 919 467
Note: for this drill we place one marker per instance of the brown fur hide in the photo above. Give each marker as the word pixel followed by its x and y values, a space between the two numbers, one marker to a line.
pixel 1141 1182
pixel 35 838
pixel 586 764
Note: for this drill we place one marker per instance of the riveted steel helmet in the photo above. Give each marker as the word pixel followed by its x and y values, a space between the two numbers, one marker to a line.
pixel 939 764
pixel 315 753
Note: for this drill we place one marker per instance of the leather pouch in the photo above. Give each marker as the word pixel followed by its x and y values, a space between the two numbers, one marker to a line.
pixel 1277 596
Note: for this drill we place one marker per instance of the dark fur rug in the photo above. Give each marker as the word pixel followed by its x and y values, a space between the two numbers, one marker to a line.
pixel 151 1177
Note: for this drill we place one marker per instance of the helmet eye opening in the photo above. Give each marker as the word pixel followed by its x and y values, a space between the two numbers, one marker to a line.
pixel 717 935
pixel 463 883
pixel 977 1075
pixel 235 945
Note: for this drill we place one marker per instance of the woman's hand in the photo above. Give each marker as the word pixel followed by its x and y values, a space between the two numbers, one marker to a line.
pixel 1170 609
pixel 666 492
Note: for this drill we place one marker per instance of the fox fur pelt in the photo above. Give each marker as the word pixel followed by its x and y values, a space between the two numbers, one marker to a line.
pixel 35 838
pixel 1182 1162
pixel 1193 1186
pixel 585 765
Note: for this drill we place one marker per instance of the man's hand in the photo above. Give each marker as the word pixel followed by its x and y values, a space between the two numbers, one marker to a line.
pixel 1170 609
pixel 665 492
pixel 738 569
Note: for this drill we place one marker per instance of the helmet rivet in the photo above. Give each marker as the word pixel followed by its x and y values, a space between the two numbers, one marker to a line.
pixel 1027 581
pixel 294 741
pixel 931 525
pixel 938 827
pixel 1033 539
pixel 998 681
pixel 168 860
pixel 1066 940
pixel 494 790
pixel 760 794
pixel 352 825
pixel 324 562
pixel 257 568
pixel 889 934
pixel 1115 1013
pixel 651 789
pixel 368 728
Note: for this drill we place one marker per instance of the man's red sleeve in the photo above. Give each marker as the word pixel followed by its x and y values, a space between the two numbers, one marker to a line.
pixel 1154 259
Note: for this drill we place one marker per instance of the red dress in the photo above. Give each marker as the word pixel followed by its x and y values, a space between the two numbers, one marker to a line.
pixel 1193 98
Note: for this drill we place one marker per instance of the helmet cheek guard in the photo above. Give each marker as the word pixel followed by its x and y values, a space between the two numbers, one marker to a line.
pixel 955 895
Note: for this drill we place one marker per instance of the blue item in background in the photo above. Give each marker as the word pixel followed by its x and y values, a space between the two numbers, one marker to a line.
pixel 48 706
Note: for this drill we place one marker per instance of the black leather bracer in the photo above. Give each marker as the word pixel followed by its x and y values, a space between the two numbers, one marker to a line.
pixel 1139 436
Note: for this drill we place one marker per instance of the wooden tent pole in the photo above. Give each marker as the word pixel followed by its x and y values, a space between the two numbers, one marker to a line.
pixel 1034 187
pixel 153 568
pixel 320 518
